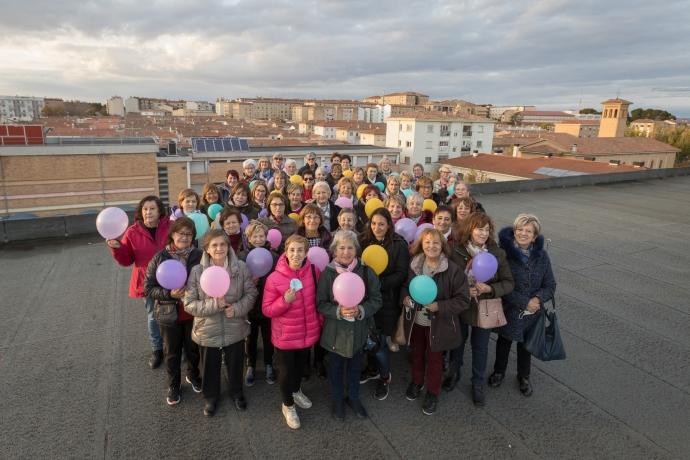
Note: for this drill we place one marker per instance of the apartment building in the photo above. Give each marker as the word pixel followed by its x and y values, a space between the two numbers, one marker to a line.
pixel 578 128
pixel 409 98
pixel 20 108
pixel 116 106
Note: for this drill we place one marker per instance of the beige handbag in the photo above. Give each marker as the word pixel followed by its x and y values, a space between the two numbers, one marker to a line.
pixel 399 336
pixel 491 314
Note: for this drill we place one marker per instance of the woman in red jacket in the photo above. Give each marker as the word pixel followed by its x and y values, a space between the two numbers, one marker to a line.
pixel 140 242
pixel 290 302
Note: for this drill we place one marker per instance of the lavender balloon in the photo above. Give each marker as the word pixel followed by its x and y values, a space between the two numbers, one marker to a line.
pixel 263 213
pixel 171 274
pixel 344 202
pixel 420 229
pixel 112 223
pixel 259 262
pixel 484 266
pixel 406 228
pixel 244 222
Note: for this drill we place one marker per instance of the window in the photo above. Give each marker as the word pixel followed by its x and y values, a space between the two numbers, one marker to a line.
pixel 427 144
pixel 406 160
pixel 427 160
pixel 408 128
pixel 399 143
pixel 479 144
pixel 408 144
pixel 455 134
pixel 400 127
pixel 445 130
pixel 467 130
pixel 429 128
pixel 443 144
pixel 480 129
pixel 455 149
pixel 442 157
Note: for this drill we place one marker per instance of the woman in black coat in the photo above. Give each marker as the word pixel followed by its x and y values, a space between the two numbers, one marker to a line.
pixel 380 231
pixel 534 286
pixel 176 331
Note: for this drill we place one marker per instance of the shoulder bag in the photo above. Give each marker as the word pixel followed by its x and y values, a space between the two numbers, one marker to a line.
pixel 543 339
pixel 490 314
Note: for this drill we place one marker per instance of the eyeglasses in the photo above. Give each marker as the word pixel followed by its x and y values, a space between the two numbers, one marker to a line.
pixel 308 179
pixel 185 234
pixel 278 205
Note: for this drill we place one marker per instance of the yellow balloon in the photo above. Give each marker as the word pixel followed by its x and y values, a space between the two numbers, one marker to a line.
pixel 372 205
pixel 429 205
pixel 375 257
pixel 348 173
pixel 296 180
pixel 360 190
pixel 294 216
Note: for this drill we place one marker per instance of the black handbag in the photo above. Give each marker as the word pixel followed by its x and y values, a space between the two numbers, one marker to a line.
pixel 165 312
pixel 543 339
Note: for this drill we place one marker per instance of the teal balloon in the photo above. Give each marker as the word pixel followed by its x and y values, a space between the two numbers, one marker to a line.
pixel 423 289
pixel 252 184
pixel 451 190
pixel 380 186
pixel 200 224
pixel 213 210
pixel 407 192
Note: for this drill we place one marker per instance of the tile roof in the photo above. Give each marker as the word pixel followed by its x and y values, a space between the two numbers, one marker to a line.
pixel 526 167
pixel 561 143
pixel 616 101
pixel 544 113
pixel 440 116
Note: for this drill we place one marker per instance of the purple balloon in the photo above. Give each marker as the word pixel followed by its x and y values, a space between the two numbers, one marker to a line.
pixel 406 228
pixel 171 274
pixel 259 262
pixel 318 256
pixel 420 229
pixel 326 168
pixel 263 213
pixel 244 222
pixel 344 202
pixel 178 213
pixel 484 266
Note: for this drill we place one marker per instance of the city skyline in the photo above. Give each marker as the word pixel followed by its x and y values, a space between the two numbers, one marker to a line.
pixel 552 54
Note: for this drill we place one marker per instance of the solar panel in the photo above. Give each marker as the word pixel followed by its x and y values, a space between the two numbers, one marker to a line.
pixel 555 172
pixel 219 144
pixel 199 145
pixel 209 145
pixel 244 145
pixel 226 145
pixel 235 143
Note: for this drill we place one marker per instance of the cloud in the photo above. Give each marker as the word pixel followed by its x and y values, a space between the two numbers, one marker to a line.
pixel 548 53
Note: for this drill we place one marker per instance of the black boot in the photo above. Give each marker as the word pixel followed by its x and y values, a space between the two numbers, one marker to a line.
pixel 450 382
pixel 156 359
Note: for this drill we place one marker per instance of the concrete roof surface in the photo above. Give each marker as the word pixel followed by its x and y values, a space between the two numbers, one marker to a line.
pixel 73 351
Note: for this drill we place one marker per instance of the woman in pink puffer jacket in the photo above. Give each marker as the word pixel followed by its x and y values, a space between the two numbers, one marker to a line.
pixel 290 301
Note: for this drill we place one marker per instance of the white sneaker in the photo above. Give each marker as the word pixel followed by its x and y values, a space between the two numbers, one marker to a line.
pixel 392 346
pixel 291 417
pixel 301 400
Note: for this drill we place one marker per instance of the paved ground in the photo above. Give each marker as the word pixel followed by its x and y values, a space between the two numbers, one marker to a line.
pixel 73 349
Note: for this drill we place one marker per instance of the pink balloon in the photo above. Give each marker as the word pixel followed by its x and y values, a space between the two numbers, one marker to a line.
pixel 348 289
pixel 420 229
pixel 111 223
pixel 344 202
pixel 215 281
pixel 319 257
pixel 274 237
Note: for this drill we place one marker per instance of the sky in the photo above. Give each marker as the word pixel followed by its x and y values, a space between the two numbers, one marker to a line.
pixel 554 54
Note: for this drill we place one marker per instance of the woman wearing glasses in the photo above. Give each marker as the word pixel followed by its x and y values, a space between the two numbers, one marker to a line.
pixel 277 204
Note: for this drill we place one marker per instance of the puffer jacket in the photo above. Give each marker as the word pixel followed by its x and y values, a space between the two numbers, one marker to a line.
pixel 294 325
pixel 341 336
pixel 161 294
pixel 286 227
pixel 533 278
pixel 211 327
pixel 501 284
pixel 138 248
pixel 453 299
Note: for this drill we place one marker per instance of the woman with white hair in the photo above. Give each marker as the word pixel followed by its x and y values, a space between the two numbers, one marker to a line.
pixel 249 170
pixel 534 286
pixel 290 167
pixel 462 190
pixel 321 192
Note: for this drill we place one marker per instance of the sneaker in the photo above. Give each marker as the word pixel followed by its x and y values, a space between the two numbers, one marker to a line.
pixel 392 346
pixel 270 374
pixel 381 391
pixel 291 417
pixel 478 395
pixel 413 391
pixel 368 374
pixel 338 410
pixel 301 400
pixel 173 397
pixel 357 407
pixel 430 402
pixel 156 359
pixel 195 383
pixel 249 377
pixel 496 379
pixel 240 403
pixel 210 408
pixel 525 386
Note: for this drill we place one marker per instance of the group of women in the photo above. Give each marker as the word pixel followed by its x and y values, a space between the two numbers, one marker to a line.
pixel 294 308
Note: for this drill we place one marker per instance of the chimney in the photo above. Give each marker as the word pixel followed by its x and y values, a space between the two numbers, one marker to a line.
pixel 573 149
pixel 516 150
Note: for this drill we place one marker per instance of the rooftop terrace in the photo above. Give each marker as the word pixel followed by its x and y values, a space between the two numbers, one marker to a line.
pixel 73 349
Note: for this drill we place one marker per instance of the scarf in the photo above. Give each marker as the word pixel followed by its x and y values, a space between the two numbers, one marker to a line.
pixel 473 249
pixel 345 268
pixel 524 253
pixel 180 255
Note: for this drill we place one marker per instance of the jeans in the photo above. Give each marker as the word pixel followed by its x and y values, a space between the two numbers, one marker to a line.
pixel 480 350
pixel 340 366
pixel 154 331
pixel 524 358
pixel 383 358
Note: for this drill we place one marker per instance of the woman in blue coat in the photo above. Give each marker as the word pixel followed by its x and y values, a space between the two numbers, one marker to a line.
pixel 534 286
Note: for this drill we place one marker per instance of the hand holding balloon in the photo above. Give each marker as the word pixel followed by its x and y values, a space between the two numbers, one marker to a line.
pixel 114 244
pixel 177 293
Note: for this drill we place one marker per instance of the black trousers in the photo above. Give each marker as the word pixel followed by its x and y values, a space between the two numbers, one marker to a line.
pixel 211 362
pixel 177 337
pixel 263 325
pixel 290 365
pixel 524 358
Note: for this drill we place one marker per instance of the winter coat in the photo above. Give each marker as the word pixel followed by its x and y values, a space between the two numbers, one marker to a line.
pixel 294 325
pixel 286 227
pixel 532 279
pixel 211 327
pixel 138 247
pixel 391 279
pixel 501 283
pixel 159 293
pixel 257 312
pixel 250 210
pixel 324 234
pixel 453 299
pixel 339 335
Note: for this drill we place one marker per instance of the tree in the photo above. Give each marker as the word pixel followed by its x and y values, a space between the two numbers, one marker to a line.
pixel 652 114
pixel 589 111
pixel 678 137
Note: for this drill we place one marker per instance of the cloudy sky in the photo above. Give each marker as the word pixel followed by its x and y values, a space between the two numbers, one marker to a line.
pixel 554 54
